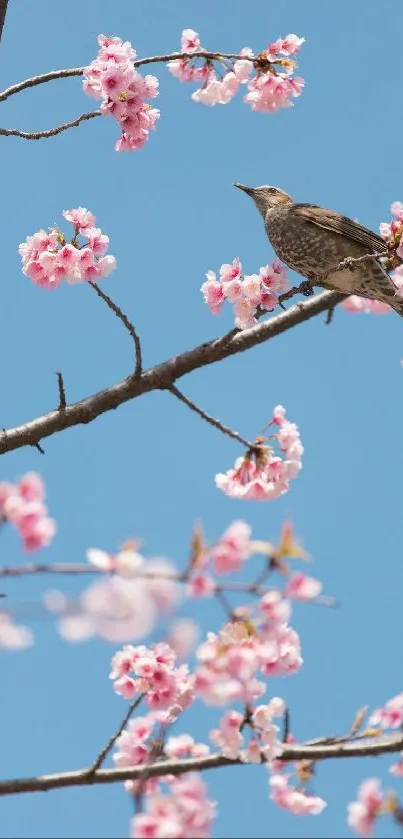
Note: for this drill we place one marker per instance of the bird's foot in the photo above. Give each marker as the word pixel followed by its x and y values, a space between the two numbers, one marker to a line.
pixel 306 288
pixel 348 262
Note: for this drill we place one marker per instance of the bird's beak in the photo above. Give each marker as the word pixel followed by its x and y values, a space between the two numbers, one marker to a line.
pixel 247 189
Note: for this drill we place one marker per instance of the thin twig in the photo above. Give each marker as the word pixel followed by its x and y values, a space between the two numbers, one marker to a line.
pixel 81 568
pixel 286 725
pixel 49 132
pixel 62 393
pixel 291 752
pixel 38 446
pixel 112 740
pixel 128 325
pixel 212 420
pixel 78 71
pixel 163 375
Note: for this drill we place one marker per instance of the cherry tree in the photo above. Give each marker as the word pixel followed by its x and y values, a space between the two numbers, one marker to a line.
pixel 165 772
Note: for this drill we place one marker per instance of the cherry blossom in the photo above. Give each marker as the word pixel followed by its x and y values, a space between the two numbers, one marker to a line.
pixel 247 292
pixel 271 87
pixel 122 607
pixel 391 715
pixel 112 78
pixel 363 813
pixel 183 635
pixel 301 587
pixel 230 662
pixel 232 549
pixel 262 474
pixel 14 636
pixel 295 801
pixel 228 736
pixel 184 811
pixel 167 688
pixel 362 305
pixel 48 259
pixel 23 505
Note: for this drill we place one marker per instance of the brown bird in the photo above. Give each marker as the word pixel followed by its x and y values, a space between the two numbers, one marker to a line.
pixel 322 246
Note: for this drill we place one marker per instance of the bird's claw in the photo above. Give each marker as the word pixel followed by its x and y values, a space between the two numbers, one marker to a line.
pixel 348 263
pixel 306 288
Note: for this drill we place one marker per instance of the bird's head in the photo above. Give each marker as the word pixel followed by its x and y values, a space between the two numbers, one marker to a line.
pixel 266 197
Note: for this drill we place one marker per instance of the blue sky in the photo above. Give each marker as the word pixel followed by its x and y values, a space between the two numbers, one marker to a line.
pixel 147 469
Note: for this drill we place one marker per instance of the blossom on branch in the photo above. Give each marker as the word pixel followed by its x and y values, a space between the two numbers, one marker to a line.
pixel 47 258
pixel 247 292
pixel 268 77
pixel 112 78
pixel 23 505
pixel 392 233
pixel 262 474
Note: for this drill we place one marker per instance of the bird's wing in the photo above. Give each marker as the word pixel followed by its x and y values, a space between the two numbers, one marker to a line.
pixel 336 223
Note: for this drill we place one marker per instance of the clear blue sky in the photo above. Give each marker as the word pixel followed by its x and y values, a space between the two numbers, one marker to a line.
pixel 147 469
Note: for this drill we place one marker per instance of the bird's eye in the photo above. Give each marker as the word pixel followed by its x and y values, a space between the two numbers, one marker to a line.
pixel 272 190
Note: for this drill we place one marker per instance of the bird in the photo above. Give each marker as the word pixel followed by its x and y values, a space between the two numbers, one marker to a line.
pixel 328 249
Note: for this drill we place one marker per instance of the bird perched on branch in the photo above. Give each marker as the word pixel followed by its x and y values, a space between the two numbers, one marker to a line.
pixel 329 249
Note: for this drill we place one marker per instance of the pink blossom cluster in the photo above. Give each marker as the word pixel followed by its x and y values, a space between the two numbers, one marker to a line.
pixel 152 671
pixel 224 557
pixel 296 801
pixel 135 746
pixel 23 505
pixel 111 77
pixel 363 813
pixel 390 715
pixel 234 547
pixel 262 474
pixel 230 661
pixel 269 89
pixel 14 636
pixel 246 291
pixel 363 305
pixel 392 231
pixel 47 258
pixel 184 811
pixel 264 744
pixel 122 607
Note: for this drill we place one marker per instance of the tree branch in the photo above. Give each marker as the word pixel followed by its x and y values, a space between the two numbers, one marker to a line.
pixel 81 568
pixel 50 132
pixel 78 71
pixel 163 376
pixel 86 777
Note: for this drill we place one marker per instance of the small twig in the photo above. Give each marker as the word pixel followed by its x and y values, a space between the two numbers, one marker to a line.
pixel 50 132
pixel 329 316
pixel 81 568
pixel 224 602
pixel 38 446
pixel 204 415
pixel 127 323
pixel 62 393
pixel 112 740
pixel 286 725
pixel 78 71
